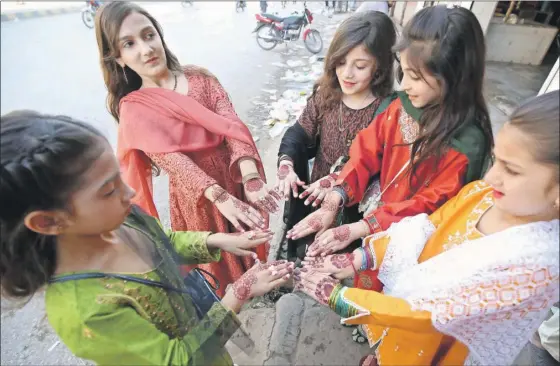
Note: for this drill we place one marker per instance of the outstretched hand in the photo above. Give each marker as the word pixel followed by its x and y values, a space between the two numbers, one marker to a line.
pixel 315 284
pixel 240 243
pixel 287 180
pixel 260 196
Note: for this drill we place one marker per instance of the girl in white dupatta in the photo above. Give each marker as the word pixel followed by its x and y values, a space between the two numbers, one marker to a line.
pixel 470 283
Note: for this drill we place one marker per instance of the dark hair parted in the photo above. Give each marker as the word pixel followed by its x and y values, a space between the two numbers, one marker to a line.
pixel 43 159
pixel 376 31
pixel 448 43
pixel 539 119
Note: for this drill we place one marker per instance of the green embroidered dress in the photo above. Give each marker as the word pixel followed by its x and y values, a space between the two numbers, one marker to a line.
pixel 115 322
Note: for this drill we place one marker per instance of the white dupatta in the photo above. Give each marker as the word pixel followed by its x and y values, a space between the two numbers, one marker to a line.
pixel 490 294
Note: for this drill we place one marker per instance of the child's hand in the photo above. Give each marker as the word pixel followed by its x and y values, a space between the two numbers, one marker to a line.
pixel 317 191
pixel 239 243
pixel 262 278
pixel 339 266
pixel 288 181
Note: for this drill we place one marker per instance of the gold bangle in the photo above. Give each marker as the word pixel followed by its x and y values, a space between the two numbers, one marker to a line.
pixel 250 176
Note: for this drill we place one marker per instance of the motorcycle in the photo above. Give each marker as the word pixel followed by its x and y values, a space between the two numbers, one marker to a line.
pixel 240 6
pixel 272 30
pixel 88 13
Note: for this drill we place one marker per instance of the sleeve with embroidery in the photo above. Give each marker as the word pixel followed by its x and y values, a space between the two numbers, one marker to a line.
pixel 357 306
pixel 224 107
pixel 191 246
pixel 192 179
pixel 443 186
pixel 366 154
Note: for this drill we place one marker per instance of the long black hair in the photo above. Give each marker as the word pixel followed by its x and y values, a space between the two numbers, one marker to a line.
pixel 449 44
pixel 43 159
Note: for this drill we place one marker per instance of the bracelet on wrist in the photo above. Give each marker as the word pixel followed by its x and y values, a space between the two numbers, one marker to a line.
pixel 218 197
pixel 341 193
pixel 336 302
pixel 365 259
pixel 245 158
pixel 285 159
pixel 249 177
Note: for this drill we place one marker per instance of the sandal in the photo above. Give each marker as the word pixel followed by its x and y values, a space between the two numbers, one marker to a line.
pixel 358 336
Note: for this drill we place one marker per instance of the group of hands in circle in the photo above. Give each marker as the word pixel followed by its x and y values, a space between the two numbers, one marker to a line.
pixel 321 270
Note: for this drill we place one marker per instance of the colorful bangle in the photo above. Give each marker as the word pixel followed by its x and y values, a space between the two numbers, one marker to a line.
pixel 285 158
pixel 250 176
pixel 368 258
pixel 365 259
pixel 219 196
pixel 338 305
pixel 372 224
pixel 342 193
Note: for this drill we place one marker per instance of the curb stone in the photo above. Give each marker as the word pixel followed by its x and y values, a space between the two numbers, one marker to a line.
pixel 31 14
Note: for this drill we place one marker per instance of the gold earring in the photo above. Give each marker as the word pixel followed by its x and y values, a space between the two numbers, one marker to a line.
pixel 124 73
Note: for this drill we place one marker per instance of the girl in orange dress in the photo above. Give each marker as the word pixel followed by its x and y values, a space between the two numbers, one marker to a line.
pixel 470 283
pixel 431 141
pixel 181 120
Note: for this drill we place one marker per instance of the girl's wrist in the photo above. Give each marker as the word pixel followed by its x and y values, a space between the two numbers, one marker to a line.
pixel 214 241
pixel 360 229
pixel 215 194
pixel 231 302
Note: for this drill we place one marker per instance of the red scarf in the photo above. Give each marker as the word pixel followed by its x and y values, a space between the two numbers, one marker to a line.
pixel 157 120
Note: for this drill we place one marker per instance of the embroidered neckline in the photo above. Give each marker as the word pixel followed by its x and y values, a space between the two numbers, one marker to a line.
pixel 454 240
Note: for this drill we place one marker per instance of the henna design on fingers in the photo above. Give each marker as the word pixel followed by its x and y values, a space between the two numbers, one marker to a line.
pixel 324 289
pixel 317 263
pixel 254 185
pixel 325 183
pixel 341 261
pixel 274 194
pixel 283 171
pixel 342 233
pixel 219 195
pixel 315 223
pixel 242 206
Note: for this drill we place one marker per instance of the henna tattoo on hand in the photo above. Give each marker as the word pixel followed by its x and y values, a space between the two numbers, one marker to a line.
pixel 283 171
pixel 219 195
pixel 342 233
pixel 341 261
pixel 324 289
pixel 329 206
pixel 241 206
pixel 315 223
pixel 242 287
pixel 317 262
pixel 325 183
pixel 254 185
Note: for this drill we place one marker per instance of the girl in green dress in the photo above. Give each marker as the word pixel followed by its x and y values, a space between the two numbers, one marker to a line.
pixel 114 293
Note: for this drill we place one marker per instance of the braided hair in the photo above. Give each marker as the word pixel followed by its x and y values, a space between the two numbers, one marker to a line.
pixel 42 159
